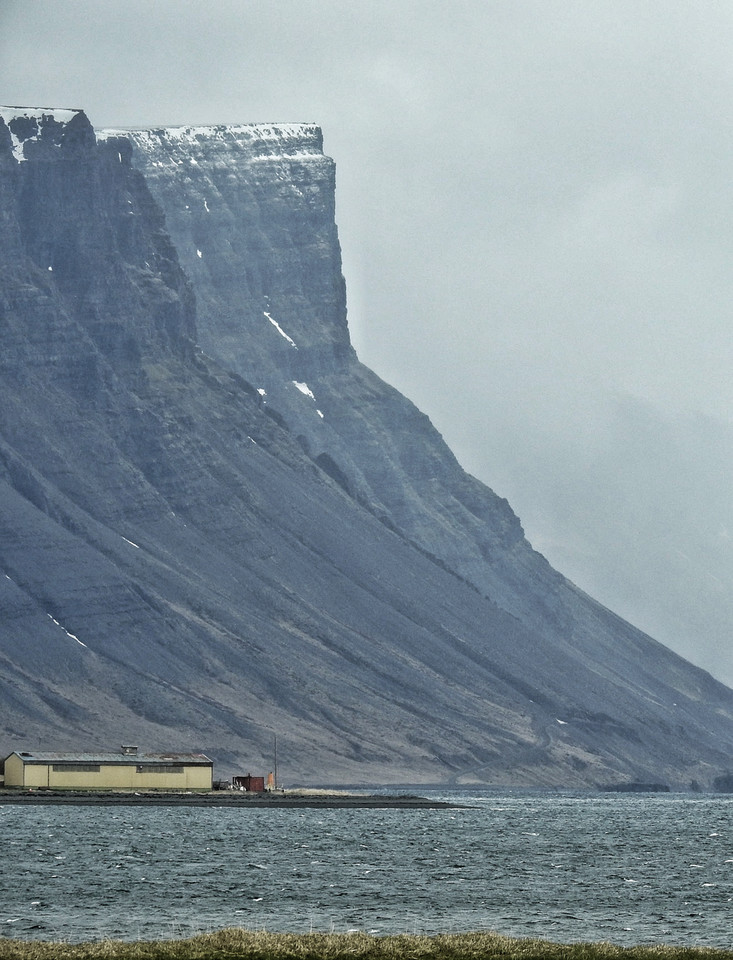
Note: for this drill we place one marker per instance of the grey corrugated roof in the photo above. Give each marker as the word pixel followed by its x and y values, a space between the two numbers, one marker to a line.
pixel 126 758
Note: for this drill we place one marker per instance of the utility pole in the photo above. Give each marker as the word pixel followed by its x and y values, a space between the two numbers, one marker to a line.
pixel 264 726
pixel 274 739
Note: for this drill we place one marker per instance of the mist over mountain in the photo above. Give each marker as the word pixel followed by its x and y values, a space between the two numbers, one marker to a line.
pixel 216 524
pixel 647 504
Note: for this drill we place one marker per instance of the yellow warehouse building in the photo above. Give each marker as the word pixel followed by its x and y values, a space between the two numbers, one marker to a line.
pixel 126 770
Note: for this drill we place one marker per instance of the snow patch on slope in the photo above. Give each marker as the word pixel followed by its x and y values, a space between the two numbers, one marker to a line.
pixel 70 635
pixel 307 392
pixel 280 330
pixel 304 389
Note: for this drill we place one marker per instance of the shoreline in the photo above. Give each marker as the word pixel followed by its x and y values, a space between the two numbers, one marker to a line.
pixel 225 798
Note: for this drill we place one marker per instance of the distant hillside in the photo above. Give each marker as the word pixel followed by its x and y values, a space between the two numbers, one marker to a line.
pixel 216 525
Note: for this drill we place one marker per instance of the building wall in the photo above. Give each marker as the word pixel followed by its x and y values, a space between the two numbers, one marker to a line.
pixel 13 771
pixel 116 776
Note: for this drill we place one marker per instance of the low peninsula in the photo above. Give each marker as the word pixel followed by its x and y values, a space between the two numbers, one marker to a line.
pixel 269 800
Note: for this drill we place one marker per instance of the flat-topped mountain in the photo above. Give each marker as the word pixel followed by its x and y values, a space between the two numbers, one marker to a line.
pixel 216 525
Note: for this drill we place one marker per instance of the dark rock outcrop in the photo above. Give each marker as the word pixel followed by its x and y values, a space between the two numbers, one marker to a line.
pixel 723 783
pixel 199 552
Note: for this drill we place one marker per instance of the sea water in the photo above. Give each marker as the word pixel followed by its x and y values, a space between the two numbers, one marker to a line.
pixel 628 869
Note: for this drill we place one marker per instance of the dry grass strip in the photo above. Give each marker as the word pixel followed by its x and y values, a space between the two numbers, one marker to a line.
pixel 235 944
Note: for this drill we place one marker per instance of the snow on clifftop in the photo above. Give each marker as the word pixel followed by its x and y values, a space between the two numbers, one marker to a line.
pixel 259 140
pixel 289 141
pixel 26 123
pixel 59 114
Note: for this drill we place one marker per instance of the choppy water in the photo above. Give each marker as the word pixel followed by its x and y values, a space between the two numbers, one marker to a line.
pixel 628 869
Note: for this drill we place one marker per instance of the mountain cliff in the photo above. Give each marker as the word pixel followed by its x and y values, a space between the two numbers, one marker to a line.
pixel 216 525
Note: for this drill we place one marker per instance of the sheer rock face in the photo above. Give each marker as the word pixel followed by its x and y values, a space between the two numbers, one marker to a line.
pixel 251 211
pixel 196 553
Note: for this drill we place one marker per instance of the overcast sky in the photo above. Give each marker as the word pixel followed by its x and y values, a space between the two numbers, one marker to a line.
pixel 535 207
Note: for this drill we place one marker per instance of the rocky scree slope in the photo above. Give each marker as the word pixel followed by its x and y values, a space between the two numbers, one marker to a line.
pixel 196 553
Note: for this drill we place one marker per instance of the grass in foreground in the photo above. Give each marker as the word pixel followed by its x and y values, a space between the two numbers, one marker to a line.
pixel 233 943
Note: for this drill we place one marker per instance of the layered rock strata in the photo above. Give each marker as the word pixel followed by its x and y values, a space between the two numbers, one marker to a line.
pixel 216 525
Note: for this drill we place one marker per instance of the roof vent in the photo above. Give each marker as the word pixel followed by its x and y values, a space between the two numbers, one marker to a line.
pixel 129 750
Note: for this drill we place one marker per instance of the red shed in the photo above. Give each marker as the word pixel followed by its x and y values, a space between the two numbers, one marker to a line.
pixel 249 783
